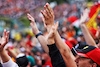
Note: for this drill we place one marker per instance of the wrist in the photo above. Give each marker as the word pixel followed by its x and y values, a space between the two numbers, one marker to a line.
pixel 50 41
pixel 38 34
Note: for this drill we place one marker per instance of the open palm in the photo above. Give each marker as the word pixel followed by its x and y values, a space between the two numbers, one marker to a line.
pixel 33 24
pixel 84 16
pixel 48 15
pixel 4 39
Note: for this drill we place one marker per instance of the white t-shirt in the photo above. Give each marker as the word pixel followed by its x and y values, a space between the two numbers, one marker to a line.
pixel 10 63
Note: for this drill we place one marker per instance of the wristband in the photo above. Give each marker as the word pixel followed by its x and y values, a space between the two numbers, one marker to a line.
pixel 40 33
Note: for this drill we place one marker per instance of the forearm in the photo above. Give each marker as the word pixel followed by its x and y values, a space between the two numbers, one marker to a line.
pixel 14 55
pixel 65 51
pixel 88 38
pixel 60 43
pixel 43 42
pixel 4 56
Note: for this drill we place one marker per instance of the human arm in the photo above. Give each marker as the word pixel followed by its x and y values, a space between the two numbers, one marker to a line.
pixel 3 42
pixel 65 51
pixel 56 58
pixel 12 53
pixel 35 30
pixel 63 48
pixel 48 16
pixel 88 38
pixel 68 57
pixel 6 60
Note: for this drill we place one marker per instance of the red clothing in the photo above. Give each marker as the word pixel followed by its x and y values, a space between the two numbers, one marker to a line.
pixel 72 19
pixel 29 43
pixel 73 41
pixel 69 44
pixel 47 64
pixel 93 31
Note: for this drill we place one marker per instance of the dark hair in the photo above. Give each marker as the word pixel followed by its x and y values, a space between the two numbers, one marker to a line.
pixel 91 62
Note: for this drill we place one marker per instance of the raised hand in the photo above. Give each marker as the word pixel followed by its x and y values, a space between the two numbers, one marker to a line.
pixel 48 15
pixel 84 16
pixel 4 39
pixel 53 30
pixel 33 24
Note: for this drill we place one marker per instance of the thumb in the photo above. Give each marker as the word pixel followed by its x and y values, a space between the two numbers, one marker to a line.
pixel 56 25
pixel 45 26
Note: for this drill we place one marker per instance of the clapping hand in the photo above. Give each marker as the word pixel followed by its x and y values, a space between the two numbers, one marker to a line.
pixel 84 16
pixel 53 30
pixel 48 15
pixel 4 39
pixel 33 24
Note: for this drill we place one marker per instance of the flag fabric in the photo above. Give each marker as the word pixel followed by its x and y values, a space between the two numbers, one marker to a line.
pixel 92 15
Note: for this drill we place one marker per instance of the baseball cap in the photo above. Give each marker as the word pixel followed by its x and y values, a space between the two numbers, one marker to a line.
pixel 90 52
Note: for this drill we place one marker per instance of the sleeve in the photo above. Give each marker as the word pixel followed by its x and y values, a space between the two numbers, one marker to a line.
pixel 10 63
pixel 56 58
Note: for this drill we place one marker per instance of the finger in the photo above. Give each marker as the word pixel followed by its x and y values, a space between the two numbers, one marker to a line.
pixel 30 17
pixel 4 33
pixel 49 8
pixel 4 43
pixel 56 25
pixel 7 35
pixel 47 16
pixel 47 11
pixel 31 24
pixel 85 12
pixel 44 14
pixel 52 14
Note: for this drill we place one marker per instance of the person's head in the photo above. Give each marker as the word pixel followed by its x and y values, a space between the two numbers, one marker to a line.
pixel 85 62
pixel 22 60
pixel 88 56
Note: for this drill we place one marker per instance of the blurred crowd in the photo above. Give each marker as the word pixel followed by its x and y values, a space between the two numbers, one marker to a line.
pixel 68 16
pixel 16 8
